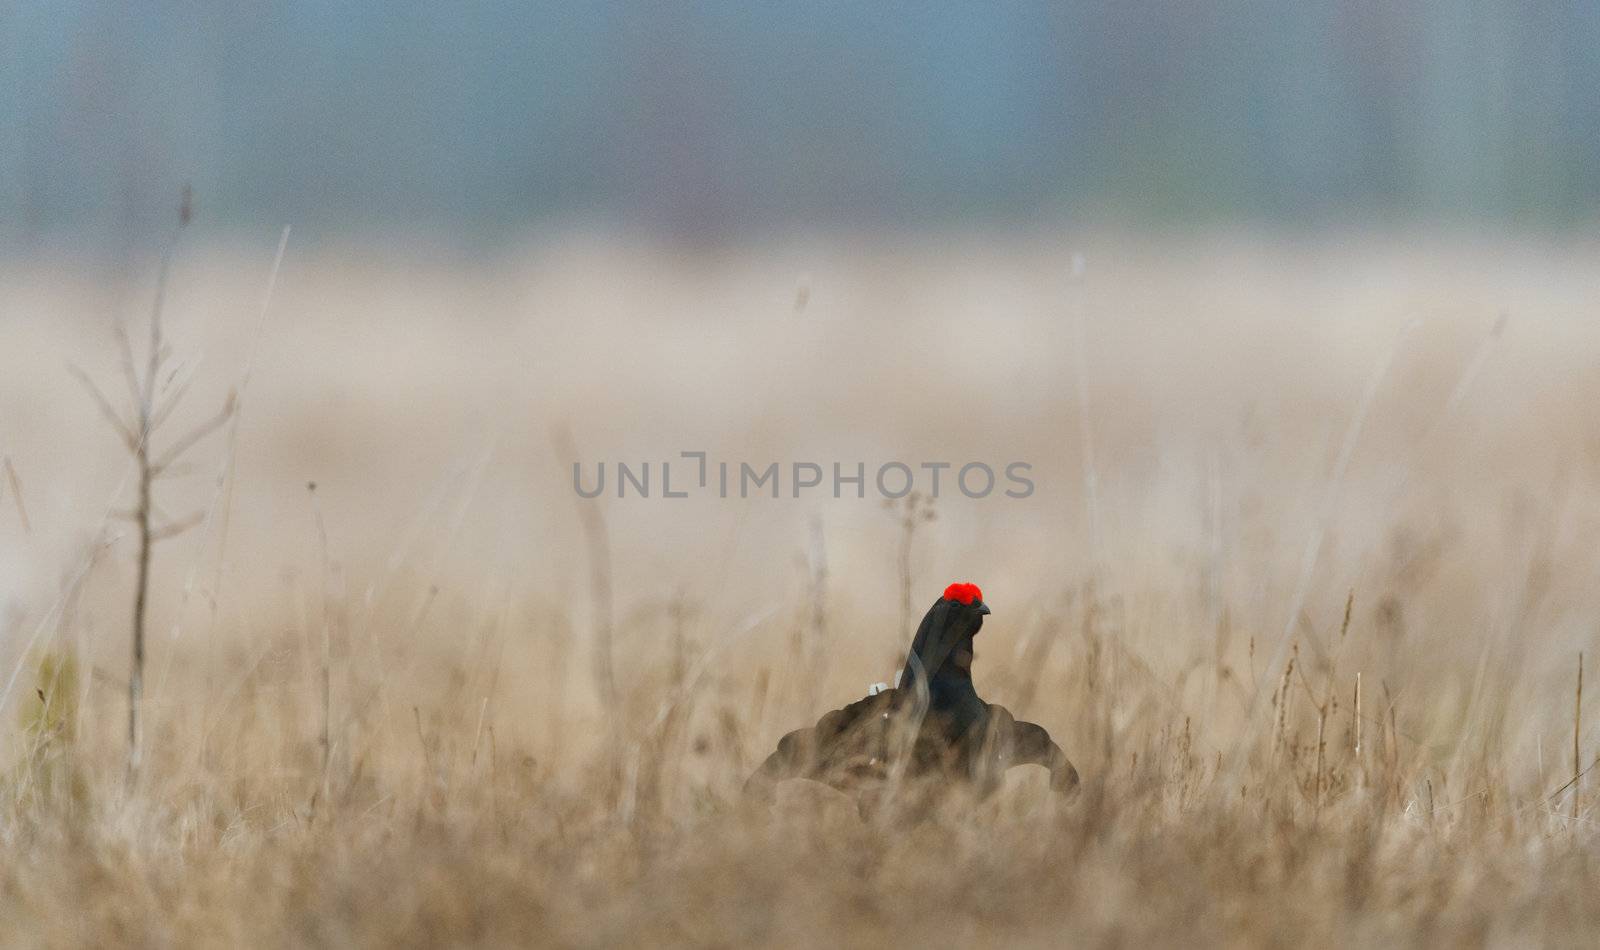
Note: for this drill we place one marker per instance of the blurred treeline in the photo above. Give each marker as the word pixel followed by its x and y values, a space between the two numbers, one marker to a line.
pixel 702 119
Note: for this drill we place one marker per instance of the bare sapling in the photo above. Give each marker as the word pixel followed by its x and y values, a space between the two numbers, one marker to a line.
pixel 154 393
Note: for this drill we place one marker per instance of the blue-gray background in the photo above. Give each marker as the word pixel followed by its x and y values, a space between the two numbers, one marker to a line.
pixel 710 120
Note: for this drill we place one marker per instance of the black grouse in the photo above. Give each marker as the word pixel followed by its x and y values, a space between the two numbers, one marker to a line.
pixel 933 724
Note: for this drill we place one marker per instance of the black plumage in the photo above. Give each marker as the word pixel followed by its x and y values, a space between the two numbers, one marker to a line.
pixel 933 725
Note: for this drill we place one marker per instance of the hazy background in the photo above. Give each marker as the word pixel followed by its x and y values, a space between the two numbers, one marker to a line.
pixel 1163 247
pixel 472 122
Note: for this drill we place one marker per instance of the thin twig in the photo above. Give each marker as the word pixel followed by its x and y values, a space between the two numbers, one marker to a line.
pixel 189 440
pixel 1577 728
pixel 16 496
pixel 174 528
pixel 124 431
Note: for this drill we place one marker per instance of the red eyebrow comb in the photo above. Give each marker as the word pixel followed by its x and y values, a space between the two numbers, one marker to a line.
pixel 963 594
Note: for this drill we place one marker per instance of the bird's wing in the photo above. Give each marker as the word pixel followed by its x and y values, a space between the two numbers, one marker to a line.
pixel 840 735
pixel 1030 744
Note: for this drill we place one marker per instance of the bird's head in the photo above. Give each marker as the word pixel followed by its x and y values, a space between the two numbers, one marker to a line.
pixel 967 595
pixel 944 638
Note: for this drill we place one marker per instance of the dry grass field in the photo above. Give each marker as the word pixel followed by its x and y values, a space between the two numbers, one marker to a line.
pixel 1302 590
